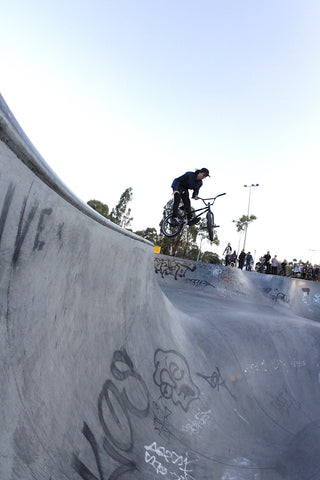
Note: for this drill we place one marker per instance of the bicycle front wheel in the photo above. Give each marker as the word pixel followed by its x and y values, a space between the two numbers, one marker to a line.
pixel 170 228
pixel 210 224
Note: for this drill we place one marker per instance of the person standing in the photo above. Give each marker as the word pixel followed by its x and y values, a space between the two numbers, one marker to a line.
pixel 266 259
pixel 242 258
pixel 249 261
pixel 227 252
pixel 233 259
pixel 274 265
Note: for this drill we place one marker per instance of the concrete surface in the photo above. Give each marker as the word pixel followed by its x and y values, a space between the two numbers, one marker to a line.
pixel 118 363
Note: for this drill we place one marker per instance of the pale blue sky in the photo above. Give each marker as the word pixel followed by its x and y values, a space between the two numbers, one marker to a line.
pixel 134 93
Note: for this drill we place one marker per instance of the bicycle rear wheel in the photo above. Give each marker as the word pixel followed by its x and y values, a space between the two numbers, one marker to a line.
pixel 169 228
pixel 210 224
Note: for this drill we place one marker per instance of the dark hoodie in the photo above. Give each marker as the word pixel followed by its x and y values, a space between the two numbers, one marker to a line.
pixel 188 181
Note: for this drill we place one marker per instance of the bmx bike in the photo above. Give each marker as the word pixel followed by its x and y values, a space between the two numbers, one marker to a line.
pixel 172 228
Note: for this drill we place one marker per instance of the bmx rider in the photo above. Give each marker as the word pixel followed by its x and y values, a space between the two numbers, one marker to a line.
pixel 181 186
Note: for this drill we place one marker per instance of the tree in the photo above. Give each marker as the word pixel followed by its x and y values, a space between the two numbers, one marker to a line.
pixel 210 257
pixel 150 234
pixel 99 207
pixel 120 214
pixel 243 222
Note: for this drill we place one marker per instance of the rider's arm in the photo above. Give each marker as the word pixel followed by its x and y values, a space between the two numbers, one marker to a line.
pixel 196 190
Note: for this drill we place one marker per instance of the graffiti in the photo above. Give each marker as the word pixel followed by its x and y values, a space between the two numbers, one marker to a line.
pixel 273 365
pixel 6 207
pixel 215 380
pixel 284 402
pixel 262 366
pixel 167 462
pixel 305 296
pixel 276 295
pixel 216 272
pixel 38 243
pixel 59 232
pixel 23 229
pixel 172 376
pixel 308 299
pixel 316 299
pixel 200 419
pixel 113 408
pixel 27 217
pixel 226 279
pixel 172 267
pixel 199 283
pixel 160 416
pixel 298 363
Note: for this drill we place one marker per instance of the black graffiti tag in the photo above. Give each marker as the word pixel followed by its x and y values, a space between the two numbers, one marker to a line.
pixel 113 408
pixel 215 380
pixel 26 219
pixel 172 267
pixel 173 376
pixel 160 418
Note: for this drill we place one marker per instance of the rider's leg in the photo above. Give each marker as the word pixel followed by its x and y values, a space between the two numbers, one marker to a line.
pixel 176 201
pixel 186 203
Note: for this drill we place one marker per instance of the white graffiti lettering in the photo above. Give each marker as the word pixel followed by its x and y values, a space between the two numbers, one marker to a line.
pixel 195 425
pixel 164 460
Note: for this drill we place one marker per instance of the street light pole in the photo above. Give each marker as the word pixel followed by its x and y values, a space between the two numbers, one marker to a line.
pixel 245 235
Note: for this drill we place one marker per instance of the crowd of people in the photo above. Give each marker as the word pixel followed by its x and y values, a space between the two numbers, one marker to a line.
pixel 245 260
pixel 271 265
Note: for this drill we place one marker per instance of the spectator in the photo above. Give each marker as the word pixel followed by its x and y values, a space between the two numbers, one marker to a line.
pixel 266 259
pixel 249 261
pixel 283 271
pixel 233 259
pixel 227 252
pixel 289 269
pixel 242 258
pixel 274 265
pixel 297 270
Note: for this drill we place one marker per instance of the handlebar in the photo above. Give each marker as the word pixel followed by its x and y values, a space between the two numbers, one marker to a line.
pixel 212 198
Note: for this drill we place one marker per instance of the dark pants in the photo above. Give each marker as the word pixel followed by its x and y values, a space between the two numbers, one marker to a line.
pixel 186 202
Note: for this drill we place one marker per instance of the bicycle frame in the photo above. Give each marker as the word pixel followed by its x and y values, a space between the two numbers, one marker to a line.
pixel 170 229
pixel 207 207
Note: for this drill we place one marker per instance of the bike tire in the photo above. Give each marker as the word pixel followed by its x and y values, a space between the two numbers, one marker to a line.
pixel 210 224
pixel 170 230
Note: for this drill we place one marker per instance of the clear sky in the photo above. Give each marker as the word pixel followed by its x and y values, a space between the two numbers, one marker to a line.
pixel 133 93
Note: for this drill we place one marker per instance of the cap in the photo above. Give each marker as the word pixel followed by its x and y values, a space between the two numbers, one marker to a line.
pixel 206 171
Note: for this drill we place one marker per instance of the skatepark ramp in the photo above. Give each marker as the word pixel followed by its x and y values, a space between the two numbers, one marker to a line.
pixel 118 363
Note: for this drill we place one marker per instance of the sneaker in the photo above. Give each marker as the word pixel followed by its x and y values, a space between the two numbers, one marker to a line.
pixel 194 221
pixel 175 221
